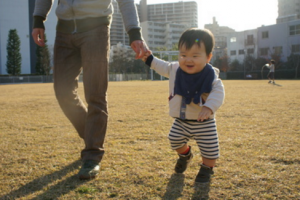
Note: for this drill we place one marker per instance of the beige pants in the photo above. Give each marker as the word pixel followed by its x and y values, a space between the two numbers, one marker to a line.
pixel 87 51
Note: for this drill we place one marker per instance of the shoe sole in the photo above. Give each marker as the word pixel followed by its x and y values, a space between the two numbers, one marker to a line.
pixel 87 177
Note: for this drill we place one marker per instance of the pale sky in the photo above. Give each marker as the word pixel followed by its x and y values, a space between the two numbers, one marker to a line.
pixel 239 15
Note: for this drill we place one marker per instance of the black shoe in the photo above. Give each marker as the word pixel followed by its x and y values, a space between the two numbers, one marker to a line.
pixel 89 169
pixel 183 161
pixel 204 174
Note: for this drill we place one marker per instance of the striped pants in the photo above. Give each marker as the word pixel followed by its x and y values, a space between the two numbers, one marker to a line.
pixel 205 134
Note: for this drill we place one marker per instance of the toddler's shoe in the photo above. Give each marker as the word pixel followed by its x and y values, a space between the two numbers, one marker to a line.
pixel 183 161
pixel 204 174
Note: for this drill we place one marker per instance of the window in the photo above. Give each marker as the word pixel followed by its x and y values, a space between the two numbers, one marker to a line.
pixel 277 50
pixel 265 34
pixel 296 48
pixel 295 30
pixel 264 51
pixel 233 39
pixel 232 53
pixel 250 51
pixel 241 52
pixel 250 39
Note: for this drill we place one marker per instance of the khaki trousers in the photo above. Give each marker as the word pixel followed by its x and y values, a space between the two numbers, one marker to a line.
pixel 87 52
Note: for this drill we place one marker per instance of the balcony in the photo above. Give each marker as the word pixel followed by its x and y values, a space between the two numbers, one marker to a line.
pixel 249 42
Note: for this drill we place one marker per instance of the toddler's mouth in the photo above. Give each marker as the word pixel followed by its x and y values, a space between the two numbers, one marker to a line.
pixel 190 66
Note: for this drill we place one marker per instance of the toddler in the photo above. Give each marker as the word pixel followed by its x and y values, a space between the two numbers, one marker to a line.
pixel 195 94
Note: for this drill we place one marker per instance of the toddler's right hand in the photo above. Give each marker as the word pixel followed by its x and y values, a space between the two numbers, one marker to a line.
pixel 147 54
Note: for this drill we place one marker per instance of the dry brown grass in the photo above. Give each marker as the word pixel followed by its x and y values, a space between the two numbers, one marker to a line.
pixel 258 127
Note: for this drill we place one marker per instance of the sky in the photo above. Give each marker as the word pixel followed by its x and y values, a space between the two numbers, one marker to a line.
pixel 239 15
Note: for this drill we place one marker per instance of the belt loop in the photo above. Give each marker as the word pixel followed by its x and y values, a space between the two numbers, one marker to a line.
pixel 182 108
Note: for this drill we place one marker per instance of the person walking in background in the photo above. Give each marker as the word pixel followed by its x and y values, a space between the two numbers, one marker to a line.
pixel 195 94
pixel 82 43
pixel 271 74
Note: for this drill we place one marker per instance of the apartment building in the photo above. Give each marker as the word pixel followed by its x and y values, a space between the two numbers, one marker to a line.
pixel 117 29
pixel 288 10
pixel 182 12
pixel 220 34
pixel 240 44
pixel 170 15
pixel 162 34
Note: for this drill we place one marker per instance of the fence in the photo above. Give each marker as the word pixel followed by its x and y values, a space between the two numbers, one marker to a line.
pixel 279 74
pixel 258 74
pixel 128 77
pixel 25 79
pixel 49 79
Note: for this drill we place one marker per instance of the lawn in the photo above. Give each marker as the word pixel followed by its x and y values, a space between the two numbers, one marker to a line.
pixel 258 126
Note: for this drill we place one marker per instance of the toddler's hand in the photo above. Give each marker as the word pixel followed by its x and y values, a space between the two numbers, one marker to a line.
pixel 204 114
pixel 147 54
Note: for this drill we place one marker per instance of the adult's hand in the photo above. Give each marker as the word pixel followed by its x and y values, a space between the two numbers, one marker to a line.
pixel 38 35
pixel 140 48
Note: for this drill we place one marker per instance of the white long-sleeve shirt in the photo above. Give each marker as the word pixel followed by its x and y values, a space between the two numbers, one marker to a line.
pixel 213 100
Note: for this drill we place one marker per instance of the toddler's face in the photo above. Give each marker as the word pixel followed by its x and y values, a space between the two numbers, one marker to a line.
pixel 193 60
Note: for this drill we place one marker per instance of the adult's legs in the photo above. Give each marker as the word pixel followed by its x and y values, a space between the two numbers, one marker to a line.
pixel 67 67
pixel 94 46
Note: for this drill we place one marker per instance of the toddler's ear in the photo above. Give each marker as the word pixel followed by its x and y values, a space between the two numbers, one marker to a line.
pixel 209 57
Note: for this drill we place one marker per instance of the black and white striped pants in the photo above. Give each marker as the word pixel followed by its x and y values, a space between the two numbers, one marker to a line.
pixel 205 134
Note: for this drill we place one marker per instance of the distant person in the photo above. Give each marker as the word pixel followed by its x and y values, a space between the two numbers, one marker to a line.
pixel 82 43
pixel 271 74
pixel 195 94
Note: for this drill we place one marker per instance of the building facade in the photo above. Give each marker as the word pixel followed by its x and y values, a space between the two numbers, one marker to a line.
pixel 171 16
pixel 220 34
pixel 281 40
pixel 182 12
pixel 162 34
pixel 117 30
pixel 241 44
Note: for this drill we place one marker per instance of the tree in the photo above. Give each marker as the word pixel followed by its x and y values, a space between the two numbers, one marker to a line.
pixel 14 58
pixel 222 63
pixel 235 65
pixel 166 56
pixel 277 59
pixel 42 65
pixel 121 65
pixel 249 63
pixel 260 62
pixel 293 62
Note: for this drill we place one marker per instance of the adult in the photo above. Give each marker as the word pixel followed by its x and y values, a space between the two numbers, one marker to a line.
pixel 82 43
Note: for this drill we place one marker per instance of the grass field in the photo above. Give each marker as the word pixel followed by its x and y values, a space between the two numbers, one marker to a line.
pixel 258 126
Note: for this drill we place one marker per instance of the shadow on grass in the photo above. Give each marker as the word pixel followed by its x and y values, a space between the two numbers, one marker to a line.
pixel 174 187
pixel 277 84
pixel 53 192
pixel 201 191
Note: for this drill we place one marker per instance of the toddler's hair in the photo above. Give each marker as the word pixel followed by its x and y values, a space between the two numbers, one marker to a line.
pixel 196 36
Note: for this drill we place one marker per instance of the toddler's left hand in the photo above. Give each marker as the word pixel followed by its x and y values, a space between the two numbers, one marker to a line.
pixel 204 114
